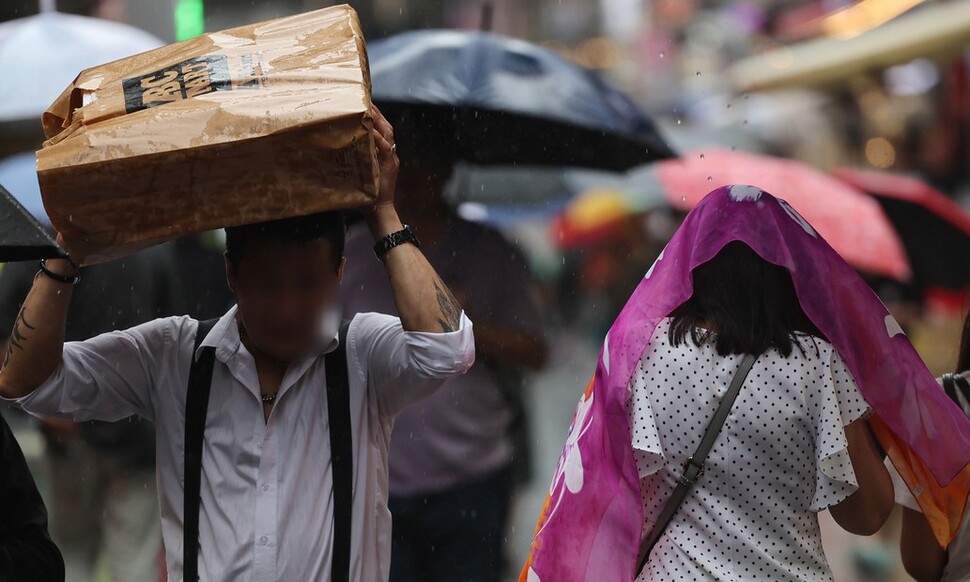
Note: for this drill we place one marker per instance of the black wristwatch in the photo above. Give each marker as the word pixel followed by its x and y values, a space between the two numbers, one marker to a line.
pixel 396 239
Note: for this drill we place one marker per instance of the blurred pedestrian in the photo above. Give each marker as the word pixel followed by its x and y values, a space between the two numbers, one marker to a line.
pixel 923 557
pixel 455 456
pixel 26 549
pixel 283 477
pixel 102 474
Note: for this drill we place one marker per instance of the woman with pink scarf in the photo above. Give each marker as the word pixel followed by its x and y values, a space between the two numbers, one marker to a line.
pixel 751 381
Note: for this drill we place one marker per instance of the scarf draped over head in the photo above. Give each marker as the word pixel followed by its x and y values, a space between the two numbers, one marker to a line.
pixel 590 525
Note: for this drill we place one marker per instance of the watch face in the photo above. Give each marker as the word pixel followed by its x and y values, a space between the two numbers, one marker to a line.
pixel 409 235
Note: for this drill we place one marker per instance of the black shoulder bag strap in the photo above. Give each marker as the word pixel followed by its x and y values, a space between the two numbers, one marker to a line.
pixel 341 454
pixel 196 407
pixel 694 465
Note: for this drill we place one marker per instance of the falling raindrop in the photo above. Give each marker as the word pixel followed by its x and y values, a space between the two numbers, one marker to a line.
pixel 728 105
pixel 710 178
pixel 662 54
pixel 678 122
pixel 702 156
pixel 698 74
pixel 683 199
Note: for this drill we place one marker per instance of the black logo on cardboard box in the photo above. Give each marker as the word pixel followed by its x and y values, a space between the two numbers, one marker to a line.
pixel 188 79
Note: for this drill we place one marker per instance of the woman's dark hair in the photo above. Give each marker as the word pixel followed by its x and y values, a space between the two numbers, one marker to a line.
pixel 750 305
pixel 331 226
pixel 963 359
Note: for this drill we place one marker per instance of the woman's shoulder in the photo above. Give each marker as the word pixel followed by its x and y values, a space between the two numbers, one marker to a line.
pixel 812 346
pixel 661 340
pixel 807 347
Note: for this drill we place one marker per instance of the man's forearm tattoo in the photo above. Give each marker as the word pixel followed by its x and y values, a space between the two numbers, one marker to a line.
pixel 450 311
pixel 18 336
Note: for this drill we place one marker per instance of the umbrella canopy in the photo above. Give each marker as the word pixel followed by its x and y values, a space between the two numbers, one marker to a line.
pixel 42 54
pixel 524 185
pixel 852 222
pixel 595 215
pixel 534 192
pixel 935 230
pixel 933 31
pixel 503 101
pixel 22 238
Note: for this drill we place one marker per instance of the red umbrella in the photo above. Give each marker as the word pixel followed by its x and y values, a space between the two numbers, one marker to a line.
pixel 935 230
pixel 852 222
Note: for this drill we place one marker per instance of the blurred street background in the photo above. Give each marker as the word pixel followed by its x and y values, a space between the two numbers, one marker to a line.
pixel 871 95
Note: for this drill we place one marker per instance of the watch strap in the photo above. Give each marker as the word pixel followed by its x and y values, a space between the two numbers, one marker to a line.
pixel 395 239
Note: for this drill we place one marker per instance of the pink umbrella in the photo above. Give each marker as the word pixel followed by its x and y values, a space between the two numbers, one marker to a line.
pixel 852 222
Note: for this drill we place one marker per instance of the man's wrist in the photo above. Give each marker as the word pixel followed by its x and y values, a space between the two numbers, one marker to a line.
pixel 382 221
pixel 62 267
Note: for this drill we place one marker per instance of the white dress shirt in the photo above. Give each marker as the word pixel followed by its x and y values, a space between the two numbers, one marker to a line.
pixel 266 511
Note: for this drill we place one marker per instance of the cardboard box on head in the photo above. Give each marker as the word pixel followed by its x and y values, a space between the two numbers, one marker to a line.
pixel 255 123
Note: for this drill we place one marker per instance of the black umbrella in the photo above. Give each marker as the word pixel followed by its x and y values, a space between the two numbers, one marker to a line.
pixel 934 228
pixel 22 238
pixel 497 100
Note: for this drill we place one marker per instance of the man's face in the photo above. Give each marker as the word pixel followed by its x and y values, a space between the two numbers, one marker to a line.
pixel 282 292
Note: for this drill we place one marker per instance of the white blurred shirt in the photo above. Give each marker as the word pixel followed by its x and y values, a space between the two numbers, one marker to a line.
pixel 267 503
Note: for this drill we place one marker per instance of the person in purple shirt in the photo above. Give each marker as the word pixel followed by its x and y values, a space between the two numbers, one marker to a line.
pixel 451 457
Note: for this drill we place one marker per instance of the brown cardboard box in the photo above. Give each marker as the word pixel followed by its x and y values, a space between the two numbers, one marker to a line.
pixel 255 123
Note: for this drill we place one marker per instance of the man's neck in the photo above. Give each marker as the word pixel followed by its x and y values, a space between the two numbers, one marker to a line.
pixel 264 361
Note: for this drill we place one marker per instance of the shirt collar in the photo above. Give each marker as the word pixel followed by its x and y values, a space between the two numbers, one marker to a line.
pixel 225 338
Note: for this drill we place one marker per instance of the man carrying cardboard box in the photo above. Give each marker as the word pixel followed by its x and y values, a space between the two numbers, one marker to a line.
pixel 284 475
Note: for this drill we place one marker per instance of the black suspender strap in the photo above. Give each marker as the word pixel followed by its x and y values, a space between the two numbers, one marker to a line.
pixel 196 406
pixel 341 455
pixel 694 465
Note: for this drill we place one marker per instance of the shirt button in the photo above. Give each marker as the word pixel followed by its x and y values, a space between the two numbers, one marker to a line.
pixel 265 487
pixel 263 540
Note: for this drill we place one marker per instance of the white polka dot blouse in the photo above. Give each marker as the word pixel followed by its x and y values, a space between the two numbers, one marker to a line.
pixel 780 458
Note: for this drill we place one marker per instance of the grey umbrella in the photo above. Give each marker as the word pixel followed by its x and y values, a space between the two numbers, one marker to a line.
pixel 22 238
